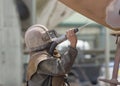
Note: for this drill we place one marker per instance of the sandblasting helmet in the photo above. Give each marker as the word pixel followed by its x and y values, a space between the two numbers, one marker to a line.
pixel 37 37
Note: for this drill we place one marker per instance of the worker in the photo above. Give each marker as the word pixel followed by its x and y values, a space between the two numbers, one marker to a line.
pixel 43 68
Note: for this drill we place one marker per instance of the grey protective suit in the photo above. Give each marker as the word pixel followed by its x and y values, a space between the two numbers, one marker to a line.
pixel 42 64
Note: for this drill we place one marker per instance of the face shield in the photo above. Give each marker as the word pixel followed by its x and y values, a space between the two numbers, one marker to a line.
pixel 50 35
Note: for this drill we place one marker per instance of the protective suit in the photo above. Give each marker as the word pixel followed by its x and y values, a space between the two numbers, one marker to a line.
pixel 42 66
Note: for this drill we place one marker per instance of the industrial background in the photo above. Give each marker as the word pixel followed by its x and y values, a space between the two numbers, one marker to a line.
pixel 96 44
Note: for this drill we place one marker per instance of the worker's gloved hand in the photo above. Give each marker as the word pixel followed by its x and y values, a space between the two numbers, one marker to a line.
pixel 71 36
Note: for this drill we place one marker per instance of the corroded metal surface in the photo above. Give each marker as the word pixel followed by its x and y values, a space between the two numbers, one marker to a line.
pixel 92 10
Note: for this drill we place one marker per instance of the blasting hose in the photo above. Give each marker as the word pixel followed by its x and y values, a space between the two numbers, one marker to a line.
pixel 58 41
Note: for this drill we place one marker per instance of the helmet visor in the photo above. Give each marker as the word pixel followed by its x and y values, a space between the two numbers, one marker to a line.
pixel 50 35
